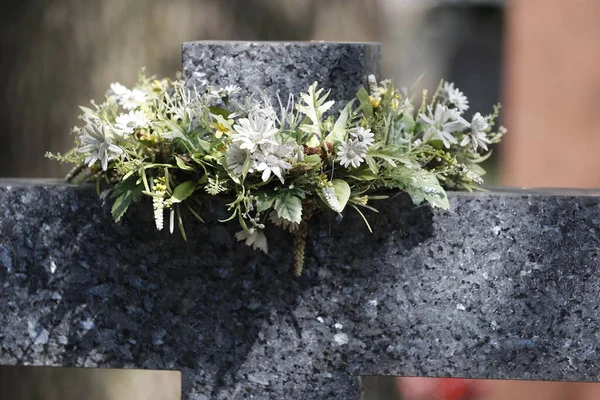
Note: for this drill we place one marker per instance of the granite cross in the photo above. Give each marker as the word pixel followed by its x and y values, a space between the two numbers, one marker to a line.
pixel 501 286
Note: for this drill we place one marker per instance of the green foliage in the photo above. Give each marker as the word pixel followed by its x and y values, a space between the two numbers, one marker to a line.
pixel 288 205
pixel 277 166
pixel 183 191
pixel 124 193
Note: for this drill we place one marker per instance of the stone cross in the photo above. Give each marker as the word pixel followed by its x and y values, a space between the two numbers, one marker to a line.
pixel 503 285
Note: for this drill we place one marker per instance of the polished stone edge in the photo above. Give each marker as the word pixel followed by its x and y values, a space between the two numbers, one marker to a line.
pixel 493 191
pixel 276 42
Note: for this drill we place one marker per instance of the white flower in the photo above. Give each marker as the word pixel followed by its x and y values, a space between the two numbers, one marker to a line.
pixel 264 110
pixel 117 90
pixel 456 97
pixel 331 199
pixel 254 237
pixel 352 152
pixel 132 99
pixel 478 136
pixel 254 131
pixel 97 142
pixel 217 94
pixel 230 90
pixel 363 135
pixel 271 159
pixel 372 83
pixel 236 157
pixel 442 123
pixel 126 123
pixel 158 204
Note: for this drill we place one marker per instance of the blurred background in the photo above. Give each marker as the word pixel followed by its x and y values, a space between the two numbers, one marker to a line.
pixel 58 54
pixel 538 57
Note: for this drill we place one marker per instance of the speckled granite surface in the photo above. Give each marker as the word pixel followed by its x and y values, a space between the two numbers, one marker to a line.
pixel 504 285
pixel 287 67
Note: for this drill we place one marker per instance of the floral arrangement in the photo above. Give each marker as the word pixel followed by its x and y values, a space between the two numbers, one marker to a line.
pixel 278 163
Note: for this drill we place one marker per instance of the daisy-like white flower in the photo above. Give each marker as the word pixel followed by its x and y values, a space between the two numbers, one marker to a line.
pixel 230 90
pixel 456 97
pixel 216 94
pixel 97 142
pixel 126 123
pixel 254 131
pixel 442 123
pixel 132 99
pixel 236 157
pixel 363 135
pixel 478 136
pixel 254 237
pixel 352 152
pixel 295 152
pixel 117 90
pixel 271 159
pixel 264 110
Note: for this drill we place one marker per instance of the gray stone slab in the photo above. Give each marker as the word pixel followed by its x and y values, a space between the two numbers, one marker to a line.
pixel 284 67
pixel 504 285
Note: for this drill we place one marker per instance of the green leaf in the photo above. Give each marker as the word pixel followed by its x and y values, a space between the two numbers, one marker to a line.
pixel 264 201
pixel 342 191
pixel 423 185
pixel 175 133
pixel 180 224
pixel 338 133
pixel 365 102
pixel 372 164
pixel 120 206
pixel 477 169
pixel 390 155
pixel 363 217
pixel 310 162
pixel 288 206
pixel 182 165
pixel 125 192
pixel 89 111
pixel 365 175
pixel 313 105
pixel 195 214
pixel 408 121
pixel 219 111
pixel 183 191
